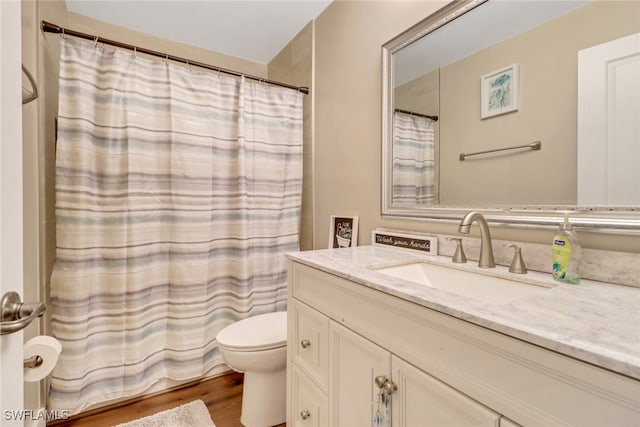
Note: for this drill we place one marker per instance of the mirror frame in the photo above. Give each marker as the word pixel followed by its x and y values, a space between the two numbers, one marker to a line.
pixel 609 219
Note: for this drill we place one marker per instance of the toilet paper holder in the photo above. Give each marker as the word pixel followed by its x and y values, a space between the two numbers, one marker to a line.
pixel 16 315
pixel 40 357
pixel 33 362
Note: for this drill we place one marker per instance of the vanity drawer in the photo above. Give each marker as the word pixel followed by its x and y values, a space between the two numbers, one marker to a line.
pixel 309 342
pixel 308 405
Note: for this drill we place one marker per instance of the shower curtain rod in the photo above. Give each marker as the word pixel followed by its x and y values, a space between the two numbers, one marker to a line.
pixel 434 118
pixel 48 27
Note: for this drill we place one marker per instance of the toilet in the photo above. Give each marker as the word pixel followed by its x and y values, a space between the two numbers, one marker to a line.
pixel 257 346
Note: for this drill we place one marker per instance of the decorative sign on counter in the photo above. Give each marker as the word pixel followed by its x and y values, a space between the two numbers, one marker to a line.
pixel 418 242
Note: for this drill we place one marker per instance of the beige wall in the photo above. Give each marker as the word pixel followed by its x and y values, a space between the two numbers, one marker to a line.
pixel 294 65
pixel 421 95
pixel 547 57
pixel 348 41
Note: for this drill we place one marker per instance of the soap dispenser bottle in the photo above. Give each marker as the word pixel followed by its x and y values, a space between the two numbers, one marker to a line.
pixel 565 254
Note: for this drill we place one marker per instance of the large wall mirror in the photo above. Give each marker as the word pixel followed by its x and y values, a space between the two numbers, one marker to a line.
pixel 520 109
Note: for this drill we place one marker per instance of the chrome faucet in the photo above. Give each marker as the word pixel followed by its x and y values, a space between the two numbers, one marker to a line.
pixel 486 249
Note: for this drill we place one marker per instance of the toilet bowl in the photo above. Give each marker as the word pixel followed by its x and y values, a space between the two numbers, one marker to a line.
pixel 257 346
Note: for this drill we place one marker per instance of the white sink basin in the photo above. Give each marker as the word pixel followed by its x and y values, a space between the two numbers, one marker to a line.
pixel 491 289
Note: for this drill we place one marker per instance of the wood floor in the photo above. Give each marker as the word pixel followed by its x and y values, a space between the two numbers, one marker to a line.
pixel 222 395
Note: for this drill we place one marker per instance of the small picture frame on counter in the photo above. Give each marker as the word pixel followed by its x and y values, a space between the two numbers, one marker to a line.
pixel 343 231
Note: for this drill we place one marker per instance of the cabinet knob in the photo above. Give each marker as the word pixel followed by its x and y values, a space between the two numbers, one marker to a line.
pixel 380 380
pixel 389 387
pixel 305 343
pixel 305 414
pixel 384 383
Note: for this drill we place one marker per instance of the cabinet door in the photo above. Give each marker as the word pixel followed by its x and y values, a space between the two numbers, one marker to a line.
pixel 354 363
pixel 309 344
pixel 423 401
pixel 309 406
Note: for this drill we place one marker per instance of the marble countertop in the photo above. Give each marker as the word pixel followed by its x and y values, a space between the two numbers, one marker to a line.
pixel 595 322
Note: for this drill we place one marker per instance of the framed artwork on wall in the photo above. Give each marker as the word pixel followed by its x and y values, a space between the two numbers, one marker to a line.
pixel 499 92
pixel 343 231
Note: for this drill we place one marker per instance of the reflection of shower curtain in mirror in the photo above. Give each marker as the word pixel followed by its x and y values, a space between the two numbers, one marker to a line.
pixel 177 195
pixel 413 153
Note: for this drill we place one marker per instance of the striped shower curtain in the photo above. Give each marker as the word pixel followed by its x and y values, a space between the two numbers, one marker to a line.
pixel 177 193
pixel 413 153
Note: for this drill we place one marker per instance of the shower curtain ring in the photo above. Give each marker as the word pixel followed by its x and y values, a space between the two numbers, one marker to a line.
pixel 95 42
pixel 63 33
pixel 135 52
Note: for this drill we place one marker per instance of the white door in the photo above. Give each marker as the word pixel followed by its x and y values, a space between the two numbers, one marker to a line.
pixel 609 123
pixel 11 382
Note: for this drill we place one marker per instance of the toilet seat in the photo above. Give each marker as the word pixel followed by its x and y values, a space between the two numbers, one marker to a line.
pixel 256 333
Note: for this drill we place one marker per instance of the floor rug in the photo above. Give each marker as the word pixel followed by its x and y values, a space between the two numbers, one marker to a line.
pixel 192 414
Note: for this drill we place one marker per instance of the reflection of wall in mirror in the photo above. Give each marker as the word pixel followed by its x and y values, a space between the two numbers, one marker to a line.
pixel 421 95
pixel 547 57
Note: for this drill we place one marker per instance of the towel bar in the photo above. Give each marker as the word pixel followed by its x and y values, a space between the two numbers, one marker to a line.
pixel 536 145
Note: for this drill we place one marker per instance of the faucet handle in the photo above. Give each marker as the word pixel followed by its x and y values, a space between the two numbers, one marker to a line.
pixel 458 257
pixel 517 264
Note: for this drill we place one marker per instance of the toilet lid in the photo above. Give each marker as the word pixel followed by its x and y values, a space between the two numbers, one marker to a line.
pixel 262 332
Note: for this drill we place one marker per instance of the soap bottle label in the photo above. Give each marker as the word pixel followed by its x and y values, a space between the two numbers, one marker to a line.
pixel 561 254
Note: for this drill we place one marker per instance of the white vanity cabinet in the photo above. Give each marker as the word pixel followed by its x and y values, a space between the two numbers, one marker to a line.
pixel 355 398
pixel 343 335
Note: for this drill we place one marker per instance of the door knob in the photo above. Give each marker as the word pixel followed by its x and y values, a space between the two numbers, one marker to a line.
pixel 305 414
pixel 16 315
pixel 305 343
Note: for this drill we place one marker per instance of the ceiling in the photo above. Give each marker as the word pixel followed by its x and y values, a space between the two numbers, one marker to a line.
pixel 256 30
